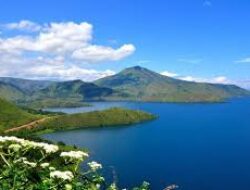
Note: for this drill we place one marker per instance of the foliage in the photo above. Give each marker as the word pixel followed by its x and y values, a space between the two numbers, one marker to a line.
pixel 13 116
pixel 26 85
pixel 10 92
pixel 40 111
pixel 109 117
pixel 55 103
pixel 73 91
pixel 140 84
pixel 131 84
pixel 30 165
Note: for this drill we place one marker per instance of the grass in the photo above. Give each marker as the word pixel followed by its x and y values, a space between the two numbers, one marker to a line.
pixel 141 84
pixel 109 117
pixel 13 116
pixel 55 103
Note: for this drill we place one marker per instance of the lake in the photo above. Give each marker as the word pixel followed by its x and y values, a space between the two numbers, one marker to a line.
pixel 196 146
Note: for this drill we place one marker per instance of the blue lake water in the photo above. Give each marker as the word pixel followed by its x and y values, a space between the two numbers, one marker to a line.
pixel 197 146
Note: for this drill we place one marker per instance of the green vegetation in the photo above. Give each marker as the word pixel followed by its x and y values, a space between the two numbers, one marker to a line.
pixel 23 120
pixel 131 84
pixel 34 165
pixel 76 90
pixel 27 164
pixel 55 103
pixel 109 117
pixel 13 116
pixel 10 92
pixel 25 85
pixel 141 84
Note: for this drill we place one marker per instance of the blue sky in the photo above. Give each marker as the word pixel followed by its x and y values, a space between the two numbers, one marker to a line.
pixel 188 39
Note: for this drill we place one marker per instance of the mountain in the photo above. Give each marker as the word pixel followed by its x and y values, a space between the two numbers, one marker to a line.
pixel 27 86
pixel 13 116
pixel 10 92
pixel 131 84
pixel 73 90
pixel 140 84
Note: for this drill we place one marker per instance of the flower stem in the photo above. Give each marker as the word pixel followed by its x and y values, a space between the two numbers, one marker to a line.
pixel 6 162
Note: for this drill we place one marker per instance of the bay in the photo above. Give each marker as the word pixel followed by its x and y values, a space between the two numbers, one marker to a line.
pixel 196 146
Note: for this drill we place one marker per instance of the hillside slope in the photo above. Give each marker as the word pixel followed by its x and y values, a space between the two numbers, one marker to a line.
pixel 13 116
pixel 131 84
pixel 141 84
pixel 76 90
pixel 96 119
pixel 26 85
pixel 10 92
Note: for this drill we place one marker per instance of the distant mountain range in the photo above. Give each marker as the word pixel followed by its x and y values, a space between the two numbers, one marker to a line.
pixel 141 84
pixel 28 86
pixel 131 84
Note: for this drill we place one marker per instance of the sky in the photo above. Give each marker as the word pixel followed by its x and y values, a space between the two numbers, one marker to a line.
pixel 194 40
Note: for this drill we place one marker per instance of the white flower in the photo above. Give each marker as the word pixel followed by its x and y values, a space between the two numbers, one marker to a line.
pixel 21 159
pixel 98 186
pixel 52 168
pixel 113 186
pixel 48 148
pixel 15 147
pixel 67 175
pixel 13 139
pixel 94 165
pixel 78 155
pixel 68 187
pixel 32 164
pixel 44 165
pixel 101 178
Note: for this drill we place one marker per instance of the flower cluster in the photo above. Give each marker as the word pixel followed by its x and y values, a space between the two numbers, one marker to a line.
pixel 21 158
pixel 47 165
pixel 77 155
pixel 94 165
pixel 48 148
pixel 66 175
pixel 44 165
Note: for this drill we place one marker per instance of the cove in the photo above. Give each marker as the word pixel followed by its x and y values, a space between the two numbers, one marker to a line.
pixel 196 146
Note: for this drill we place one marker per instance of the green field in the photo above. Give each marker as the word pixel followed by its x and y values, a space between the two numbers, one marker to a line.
pixel 109 117
pixel 13 116
pixel 54 103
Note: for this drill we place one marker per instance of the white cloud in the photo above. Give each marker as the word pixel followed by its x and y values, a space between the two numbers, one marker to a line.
pixel 58 50
pixel 243 83
pixel 57 38
pixel 100 53
pixel 66 73
pixel 245 60
pixel 67 38
pixel 55 68
pixel 220 79
pixel 169 74
pixel 189 78
pixel 217 79
pixel 24 25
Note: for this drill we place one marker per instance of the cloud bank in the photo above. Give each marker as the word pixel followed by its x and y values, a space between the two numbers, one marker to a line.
pixel 215 80
pixel 55 50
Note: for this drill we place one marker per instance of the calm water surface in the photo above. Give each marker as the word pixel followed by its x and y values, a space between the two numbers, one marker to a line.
pixel 197 146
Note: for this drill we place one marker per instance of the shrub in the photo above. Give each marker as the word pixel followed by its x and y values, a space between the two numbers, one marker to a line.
pixel 29 165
